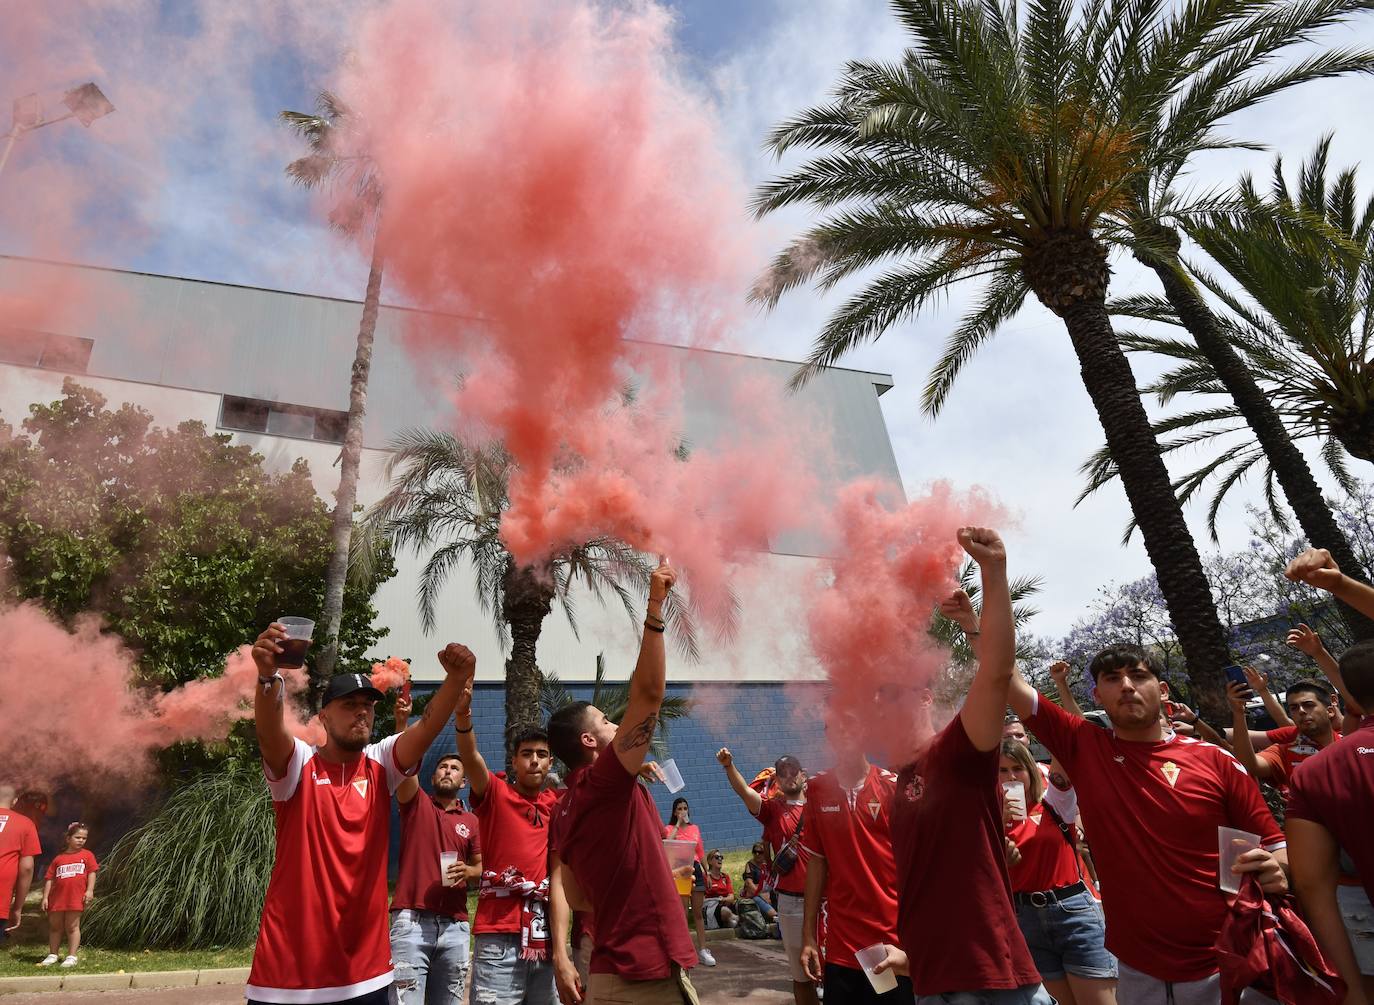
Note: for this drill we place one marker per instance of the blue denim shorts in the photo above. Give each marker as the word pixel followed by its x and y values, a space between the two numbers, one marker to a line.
pixel 1067 937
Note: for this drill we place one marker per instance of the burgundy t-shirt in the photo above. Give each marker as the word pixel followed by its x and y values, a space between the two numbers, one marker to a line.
pixel 607 831
pixel 954 911
pixel 426 830
pixel 1335 788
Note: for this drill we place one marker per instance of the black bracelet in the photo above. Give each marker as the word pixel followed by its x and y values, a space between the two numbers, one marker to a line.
pixel 654 628
pixel 457 730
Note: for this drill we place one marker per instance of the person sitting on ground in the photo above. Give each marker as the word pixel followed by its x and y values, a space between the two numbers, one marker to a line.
pixel 68 889
pixel 781 816
pixel 1155 799
pixel 1055 906
pixel 324 934
pixel 607 842
pixel 754 880
pixel 720 893
pixel 681 828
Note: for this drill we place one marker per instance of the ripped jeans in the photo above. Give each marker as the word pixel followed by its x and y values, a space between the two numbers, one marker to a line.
pixel 430 955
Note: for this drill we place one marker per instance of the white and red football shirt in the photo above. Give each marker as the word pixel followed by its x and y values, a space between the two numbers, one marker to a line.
pixel 1285 754
pixel 515 833
pixel 780 817
pixel 1152 810
pixel 18 839
pixel 324 934
pixel 850 830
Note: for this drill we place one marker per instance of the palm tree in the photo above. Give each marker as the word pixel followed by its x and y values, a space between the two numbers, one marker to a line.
pixel 331 133
pixel 1016 153
pixel 446 500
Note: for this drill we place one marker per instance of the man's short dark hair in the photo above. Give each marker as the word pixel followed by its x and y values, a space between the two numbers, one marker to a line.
pixel 566 727
pixel 1357 667
pixel 528 735
pixel 786 761
pixel 1123 657
pixel 1321 691
pixel 449 757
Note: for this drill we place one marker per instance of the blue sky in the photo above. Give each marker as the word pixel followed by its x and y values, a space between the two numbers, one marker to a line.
pixel 215 205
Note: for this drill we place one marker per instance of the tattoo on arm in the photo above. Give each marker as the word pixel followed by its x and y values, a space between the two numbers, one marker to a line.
pixel 1059 780
pixel 640 735
pixel 424 716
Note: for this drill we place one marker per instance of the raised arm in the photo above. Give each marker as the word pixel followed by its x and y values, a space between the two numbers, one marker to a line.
pixel 984 710
pixel 648 683
pixel 1316 567
pixel 479 775
pixel 1258 767
pixel 753 801
pixel 1259 683
pixel 460 667
pixel 1305 640
pixel 269 702
pixel 1059 673
pixel 408 789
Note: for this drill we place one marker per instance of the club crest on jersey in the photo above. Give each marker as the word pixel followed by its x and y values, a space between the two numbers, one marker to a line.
pixel 915 789
pixel 1170 771
pixel 361 785
pixel 874 807
pixel 462 830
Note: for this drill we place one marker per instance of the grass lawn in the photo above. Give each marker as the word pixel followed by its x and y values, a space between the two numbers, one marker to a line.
pixel 21 952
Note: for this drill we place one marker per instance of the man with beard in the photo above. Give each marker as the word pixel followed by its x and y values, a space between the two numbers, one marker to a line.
pixel 323 936
pixel 1312 708
pixel 781 817
pixel 429 908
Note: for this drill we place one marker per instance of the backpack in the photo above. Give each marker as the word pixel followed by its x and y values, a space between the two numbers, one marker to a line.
pixel 751 924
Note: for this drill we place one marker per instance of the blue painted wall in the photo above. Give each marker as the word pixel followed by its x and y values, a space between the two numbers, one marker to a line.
pixel 767 729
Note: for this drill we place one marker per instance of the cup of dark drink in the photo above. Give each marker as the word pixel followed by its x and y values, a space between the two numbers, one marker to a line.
pixel 297 641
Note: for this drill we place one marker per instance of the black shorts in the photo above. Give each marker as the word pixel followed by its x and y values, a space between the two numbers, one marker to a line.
pixel 698 876
pixel 847 984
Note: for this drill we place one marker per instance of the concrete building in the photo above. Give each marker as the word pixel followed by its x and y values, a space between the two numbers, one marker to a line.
pixel 272 369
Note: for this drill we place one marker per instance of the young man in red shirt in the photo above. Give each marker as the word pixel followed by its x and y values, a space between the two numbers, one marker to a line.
pixel 609 842
pixel 511 954
pixel 1154 800
pixel 781 816
pixel 1313 711
pixel 430 936
pixel 955 920
pixel 18 847
pixel 847 836
pixel 323 936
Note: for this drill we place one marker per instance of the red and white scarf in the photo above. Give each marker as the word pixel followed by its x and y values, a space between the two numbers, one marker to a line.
pixel 534 929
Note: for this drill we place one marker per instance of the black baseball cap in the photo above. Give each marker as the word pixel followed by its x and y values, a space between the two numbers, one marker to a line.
pixel 786 761
pixel 343 684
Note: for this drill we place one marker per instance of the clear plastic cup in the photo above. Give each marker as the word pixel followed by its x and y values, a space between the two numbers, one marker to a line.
pixel 1231 845
pixel 1015 798
pixel 446 859
pixel 299 631
pixel 870 958
pixel 672 777
pixel 681 855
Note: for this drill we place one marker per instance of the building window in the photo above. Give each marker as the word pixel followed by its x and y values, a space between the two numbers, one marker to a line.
pixel 276 418
pixel 45 349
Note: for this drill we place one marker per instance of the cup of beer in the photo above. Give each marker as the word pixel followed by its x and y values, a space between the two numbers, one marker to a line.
pixel 681 855
pixel 298 634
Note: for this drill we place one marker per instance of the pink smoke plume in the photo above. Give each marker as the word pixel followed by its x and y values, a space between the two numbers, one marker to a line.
pixel 546 170
pixel 393 673
pixel 869 624
pixel 94 728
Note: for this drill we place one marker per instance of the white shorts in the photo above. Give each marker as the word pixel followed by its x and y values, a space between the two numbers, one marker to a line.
pixel 791 911
pixel 1358 916
pixel 1136 988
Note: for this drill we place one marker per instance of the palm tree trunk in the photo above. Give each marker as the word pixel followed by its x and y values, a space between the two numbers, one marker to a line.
pixel 1111 385
pixel 341 532
pixel 1290 467
pixel 526 602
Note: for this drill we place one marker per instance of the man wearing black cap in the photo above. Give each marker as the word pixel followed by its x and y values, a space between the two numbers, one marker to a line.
pixel 324 937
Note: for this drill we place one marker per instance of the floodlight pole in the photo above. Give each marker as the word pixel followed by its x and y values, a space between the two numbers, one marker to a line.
pixel 85 102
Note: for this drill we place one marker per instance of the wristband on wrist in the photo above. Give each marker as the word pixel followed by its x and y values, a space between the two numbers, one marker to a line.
pixel 654 628
pixel 267 682
pixel 459 729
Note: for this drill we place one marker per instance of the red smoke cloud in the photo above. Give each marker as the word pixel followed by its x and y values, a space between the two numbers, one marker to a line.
pixel 72 716
pixel 869 624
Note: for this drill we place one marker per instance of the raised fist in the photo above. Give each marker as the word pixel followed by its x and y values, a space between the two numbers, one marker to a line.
pixel 1059 671
pixel 1315 567
pixel 959 609
pixel 458 661
pixel 725 758
pixel 1305 640
pixel 983 545
pixel 662 580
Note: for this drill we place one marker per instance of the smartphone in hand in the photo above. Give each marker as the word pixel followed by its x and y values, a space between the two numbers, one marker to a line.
pixel 1236 675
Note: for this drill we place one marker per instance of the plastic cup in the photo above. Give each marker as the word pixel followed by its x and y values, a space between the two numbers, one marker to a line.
pixel 1231 845
pixel 870 958
pixel 446 859
pixel 672 777
pixel 299 631
pixel 681 855
pixel 1015 798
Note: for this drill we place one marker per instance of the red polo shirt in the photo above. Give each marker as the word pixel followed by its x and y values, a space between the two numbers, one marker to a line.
pixel 607 831
pixel 427 829
pixel 1336 789
pixel 515 832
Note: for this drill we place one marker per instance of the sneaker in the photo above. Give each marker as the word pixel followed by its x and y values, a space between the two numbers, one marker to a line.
pixel 705 956
pixel 70 961
pixel 48 960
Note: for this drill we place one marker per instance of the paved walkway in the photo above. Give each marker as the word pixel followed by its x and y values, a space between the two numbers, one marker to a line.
pixel 749 973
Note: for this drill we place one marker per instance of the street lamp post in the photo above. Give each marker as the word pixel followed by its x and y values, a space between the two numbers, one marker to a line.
pixel 85 104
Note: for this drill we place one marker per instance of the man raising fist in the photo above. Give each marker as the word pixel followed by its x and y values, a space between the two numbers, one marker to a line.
pixel 323 936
